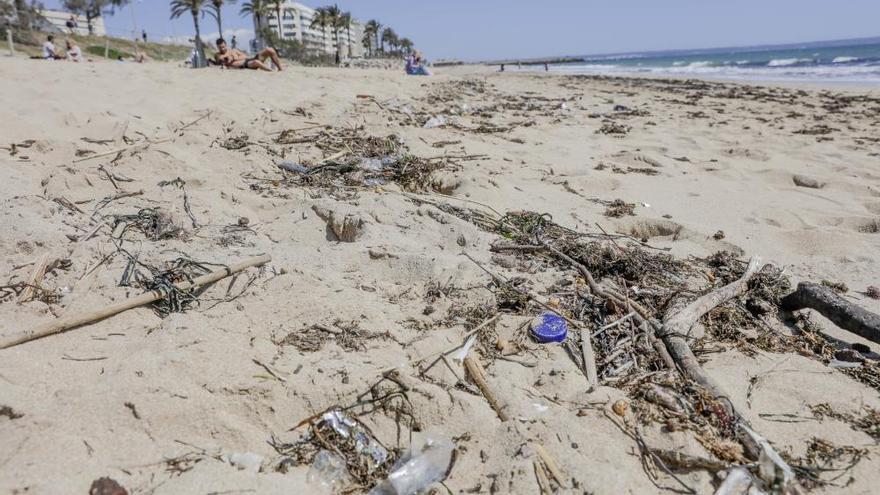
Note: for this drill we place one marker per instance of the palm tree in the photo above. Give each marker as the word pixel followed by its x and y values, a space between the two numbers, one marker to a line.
pixel 194 7
pixel 333 19
pixel 407 45
pixel 321 20
pixel 258 10
pixel 345 22
pixel 379 27
pixel 371 33
pixel 213 9
pixel 390 37
pixel 278 4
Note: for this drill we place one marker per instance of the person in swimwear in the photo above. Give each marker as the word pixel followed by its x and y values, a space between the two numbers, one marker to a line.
pixel 237 59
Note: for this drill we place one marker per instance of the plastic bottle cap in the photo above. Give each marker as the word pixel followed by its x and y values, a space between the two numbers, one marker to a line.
pixel 549 327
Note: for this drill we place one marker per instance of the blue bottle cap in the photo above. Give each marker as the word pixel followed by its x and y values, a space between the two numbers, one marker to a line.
pixel 549 327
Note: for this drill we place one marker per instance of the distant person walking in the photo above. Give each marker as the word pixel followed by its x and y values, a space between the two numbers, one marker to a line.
pixel 71 24
pixel 234 42
pixel 144 35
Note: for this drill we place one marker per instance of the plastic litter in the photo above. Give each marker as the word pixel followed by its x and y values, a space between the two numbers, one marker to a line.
pixel 420 468
pixel 549 327
pixel 328 471
pixel 245 461
pixel 347 427
pixel 294 167
pixel 434 122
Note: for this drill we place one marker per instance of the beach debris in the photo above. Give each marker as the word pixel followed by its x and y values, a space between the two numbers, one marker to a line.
pixel 478 375
pixel 156 224
pixel 328 470
pixel 620 407
pixel 873 292
pixel 843 313
pixel 106 486
pixel 10 413
pixel 435 122
pixel 76 320
pixel 40 267
pixel 418 469
pixel 614 129
pixel 294 167
pixel 619 208
pixel 244 461
pixel 549 327
pixel 806 181
pixel 346 222
pixel 444 182
pixel 234 143
pixel 340 449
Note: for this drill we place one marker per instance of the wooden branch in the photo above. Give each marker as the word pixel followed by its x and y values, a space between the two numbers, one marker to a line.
pixel 77 320
pixel 37 275
pixel 843 313
pixel 676 326
pixel 478 375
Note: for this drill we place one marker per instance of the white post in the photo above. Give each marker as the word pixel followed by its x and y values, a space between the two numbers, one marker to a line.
pixel 106 47
pixel 11 44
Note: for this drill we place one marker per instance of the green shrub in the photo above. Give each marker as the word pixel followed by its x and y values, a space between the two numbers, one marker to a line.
pixel 113 53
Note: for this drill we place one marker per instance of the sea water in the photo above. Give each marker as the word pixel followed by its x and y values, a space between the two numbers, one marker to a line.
pixel 856 61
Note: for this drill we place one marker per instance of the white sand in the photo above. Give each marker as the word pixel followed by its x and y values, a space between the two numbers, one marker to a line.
pixel 192 377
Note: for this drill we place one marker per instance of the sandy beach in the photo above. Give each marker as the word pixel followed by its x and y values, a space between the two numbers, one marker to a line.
pixel 110 170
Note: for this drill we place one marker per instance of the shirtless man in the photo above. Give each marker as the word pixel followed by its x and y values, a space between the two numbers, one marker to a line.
pixel 236 59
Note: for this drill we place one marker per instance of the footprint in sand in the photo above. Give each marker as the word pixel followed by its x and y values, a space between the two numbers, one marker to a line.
pixel 862 225
pixel 647 229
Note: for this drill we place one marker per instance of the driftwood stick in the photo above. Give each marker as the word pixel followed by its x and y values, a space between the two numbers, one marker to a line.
pixel 76 320
pixel 478 375
pixel 676 326
pixel 843 313
pixel 36 276
pixel 144 145
pixel 550 463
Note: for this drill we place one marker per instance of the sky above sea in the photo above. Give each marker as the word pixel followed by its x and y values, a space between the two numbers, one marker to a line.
pixel 476 30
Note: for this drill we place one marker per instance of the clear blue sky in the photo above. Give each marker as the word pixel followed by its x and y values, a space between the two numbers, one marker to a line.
pixel 492 29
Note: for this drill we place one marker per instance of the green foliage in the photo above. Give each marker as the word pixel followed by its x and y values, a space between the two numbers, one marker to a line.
pixel 113 53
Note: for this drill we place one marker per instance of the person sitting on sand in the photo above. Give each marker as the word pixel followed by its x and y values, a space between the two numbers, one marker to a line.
pixel 237 59
pixel 415 65
pixel 74 54
pixel 49 52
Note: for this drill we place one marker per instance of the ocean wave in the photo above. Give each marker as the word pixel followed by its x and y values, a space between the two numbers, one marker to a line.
pixel 845 60
pixel 702 63
pixel 856 73
pixel 786 62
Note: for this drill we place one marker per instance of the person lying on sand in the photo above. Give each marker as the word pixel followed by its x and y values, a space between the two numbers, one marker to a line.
pixel 74 54
pixel 236 59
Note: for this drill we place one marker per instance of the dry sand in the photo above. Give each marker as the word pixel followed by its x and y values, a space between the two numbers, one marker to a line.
pixel 121 397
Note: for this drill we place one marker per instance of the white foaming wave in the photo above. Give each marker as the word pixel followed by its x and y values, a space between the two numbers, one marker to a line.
pixel 839 73
pixel 702 63
pixel 785 62
pixel 844 60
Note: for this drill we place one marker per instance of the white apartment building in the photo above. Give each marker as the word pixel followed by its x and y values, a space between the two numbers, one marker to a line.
pixel 57 21
pixel 296 23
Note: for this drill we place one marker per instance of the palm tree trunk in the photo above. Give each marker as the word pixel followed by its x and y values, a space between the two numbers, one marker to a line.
pixel 219 24
pixel 280 32
pixel 199 48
